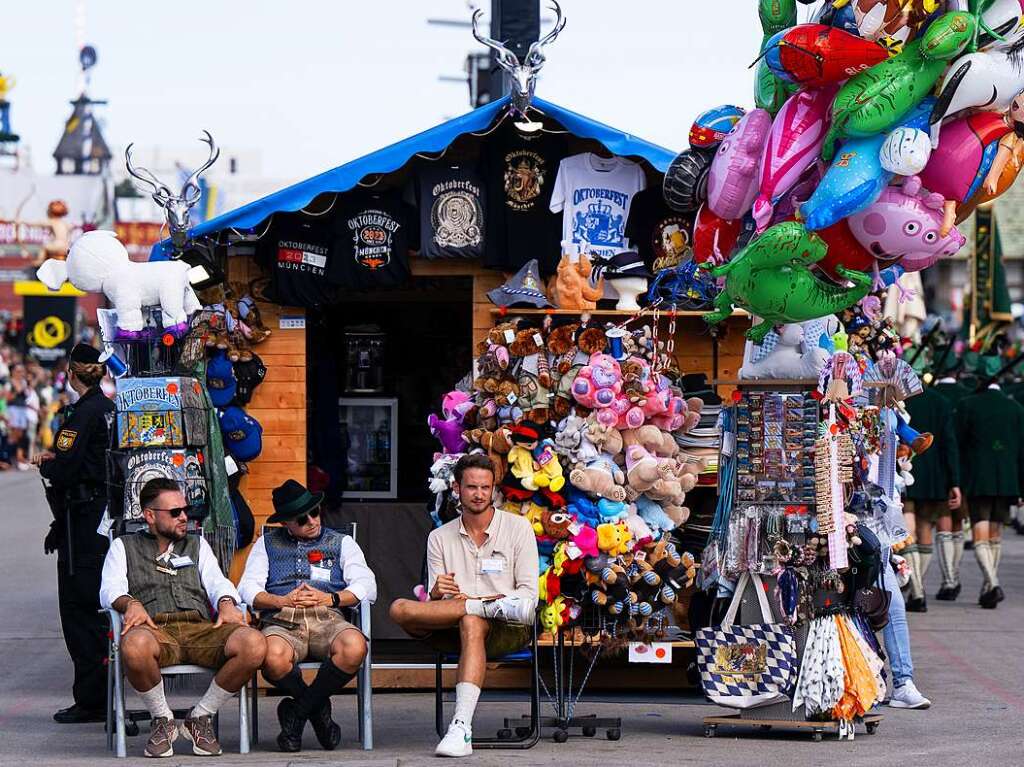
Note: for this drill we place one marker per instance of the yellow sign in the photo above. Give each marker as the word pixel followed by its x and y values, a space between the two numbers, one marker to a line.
pixel 36 288
pixel 49 332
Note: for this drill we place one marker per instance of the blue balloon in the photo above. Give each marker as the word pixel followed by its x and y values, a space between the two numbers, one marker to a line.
pixel 856 176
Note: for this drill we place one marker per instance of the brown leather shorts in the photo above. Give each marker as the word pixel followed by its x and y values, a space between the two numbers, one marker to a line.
pixel 317 629
pixel 188 637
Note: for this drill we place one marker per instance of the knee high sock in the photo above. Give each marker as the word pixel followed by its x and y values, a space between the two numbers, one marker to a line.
pixel 958 555
pixel 466 696
pixel 156 702
pixel 910 553
pixel 292 683
pixel 997 553
pixel 329 680
pixel 946 551
pixel 215 697
pixel 983 553
pixel 924 556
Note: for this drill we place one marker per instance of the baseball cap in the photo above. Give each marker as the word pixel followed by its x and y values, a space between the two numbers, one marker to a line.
pixel 243 435
pixel 249 374
pixel 220 380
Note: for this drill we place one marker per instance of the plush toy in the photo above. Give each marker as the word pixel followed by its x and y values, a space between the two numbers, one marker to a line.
pixel 554 524
pixel 572 286
pixel 584 509
pixel 607 439
pixel 583 543
pixel 506 397
pixel 794 355
pixel 448 432
pixel 598 385
pixel 496 443
pixel 549 472
pixel 569 440
pixel 557 614
pixel 612 590
pixel 518 482
pixel 97 261
pixel 612 511
pixel 613 539
pixel 638 528
pixel 564 362
pixel 650 511
pixel 534 373
pixel 600 477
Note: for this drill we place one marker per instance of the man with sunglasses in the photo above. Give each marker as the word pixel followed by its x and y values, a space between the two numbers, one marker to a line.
pixel 163 581
pixel 301 575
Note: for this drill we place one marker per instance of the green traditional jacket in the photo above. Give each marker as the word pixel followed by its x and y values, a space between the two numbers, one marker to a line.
pixel 938 468
pixel 954 392
pixel 989 426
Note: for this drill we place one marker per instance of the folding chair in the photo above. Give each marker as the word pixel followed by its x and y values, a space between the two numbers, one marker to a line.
pixel 115 693
pixel 358 616
pixel 525 737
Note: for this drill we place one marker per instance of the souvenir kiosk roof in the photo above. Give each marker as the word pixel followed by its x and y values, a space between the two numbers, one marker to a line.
pixel 436 139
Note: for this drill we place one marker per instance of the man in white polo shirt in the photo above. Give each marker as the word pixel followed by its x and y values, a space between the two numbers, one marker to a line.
pixel 482 578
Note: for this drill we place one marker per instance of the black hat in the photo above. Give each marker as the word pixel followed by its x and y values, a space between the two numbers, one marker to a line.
pixel 625 264
pixel 250 374
pixel 292 500
pixel 85 354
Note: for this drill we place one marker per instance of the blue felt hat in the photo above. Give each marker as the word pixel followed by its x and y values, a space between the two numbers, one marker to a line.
pixel 243 435
pixel 220 380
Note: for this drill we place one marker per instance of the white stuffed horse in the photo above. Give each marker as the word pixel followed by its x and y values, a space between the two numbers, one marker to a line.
pixel 794 355
pixel 97 261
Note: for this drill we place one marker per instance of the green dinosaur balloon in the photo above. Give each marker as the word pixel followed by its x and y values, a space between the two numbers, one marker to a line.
pixel 771 278
pixel 775 15
pixel 877 99
pixel 770 90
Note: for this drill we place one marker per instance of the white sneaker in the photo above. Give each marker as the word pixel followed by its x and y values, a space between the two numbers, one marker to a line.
pixel 907 696
pixel 458 741
pixel 512 610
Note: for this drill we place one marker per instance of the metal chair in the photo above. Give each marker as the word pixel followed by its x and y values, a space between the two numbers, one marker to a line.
pixel 525 736
pixel 115 693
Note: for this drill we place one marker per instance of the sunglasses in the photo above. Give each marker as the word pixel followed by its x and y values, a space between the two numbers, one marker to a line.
pixel 303 519
pixel 177 511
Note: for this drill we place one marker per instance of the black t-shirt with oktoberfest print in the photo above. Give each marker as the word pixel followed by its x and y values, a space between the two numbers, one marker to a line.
pixel 374 232
pixel 453 210
pixel 297 250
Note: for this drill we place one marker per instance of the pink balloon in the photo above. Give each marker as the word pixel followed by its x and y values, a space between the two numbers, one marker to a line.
pixel 793 146
pixel 732 182
pixel 957 164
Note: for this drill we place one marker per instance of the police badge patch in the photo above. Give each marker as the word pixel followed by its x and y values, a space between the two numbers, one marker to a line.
pixel 66 439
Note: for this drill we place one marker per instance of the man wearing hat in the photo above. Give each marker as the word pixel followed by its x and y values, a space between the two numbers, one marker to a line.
pixel 301 575
pixel 989 428
pixel 74 475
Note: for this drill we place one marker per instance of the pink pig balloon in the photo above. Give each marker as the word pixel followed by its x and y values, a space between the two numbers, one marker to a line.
pixel 793 145
pixel 902 226
pixel 732 182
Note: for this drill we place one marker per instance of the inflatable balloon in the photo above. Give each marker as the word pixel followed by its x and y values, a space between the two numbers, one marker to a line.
pixel 856 176
pixel 792 147
pixel 958 165
pixel 786 208
pixel 1005 167
pixel 987 79
pixel 714 235
pixel 685 186
pixel 732 179
pixel 905 151
pixel 903 226
pixel 771 278
pixel 771 91
pixel 897 20
pixel 845 251
pixel 841 18
pixel 878 99
pixel 775 16
pixel 813 55
pixel 712 126
pixel 1000 24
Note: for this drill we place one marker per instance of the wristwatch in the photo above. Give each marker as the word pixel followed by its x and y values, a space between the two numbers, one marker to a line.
pixel 335 600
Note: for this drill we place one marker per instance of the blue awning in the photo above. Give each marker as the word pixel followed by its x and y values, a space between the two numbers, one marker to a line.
pixel 391 158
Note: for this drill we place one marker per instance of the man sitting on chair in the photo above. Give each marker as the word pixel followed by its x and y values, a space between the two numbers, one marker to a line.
pixel 301 575
pixel 163 581
pixel 482 578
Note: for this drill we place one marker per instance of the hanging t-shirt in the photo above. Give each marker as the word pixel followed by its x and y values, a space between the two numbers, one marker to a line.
pixel 297 251
pixel 658 233
pixel 594 194
pixel 374 232
pixel 520 172
pixel 452 210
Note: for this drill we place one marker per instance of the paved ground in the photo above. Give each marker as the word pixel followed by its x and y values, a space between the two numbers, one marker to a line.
pixel 969 662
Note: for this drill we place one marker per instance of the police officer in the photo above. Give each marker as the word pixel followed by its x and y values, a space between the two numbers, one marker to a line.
pixel 75 476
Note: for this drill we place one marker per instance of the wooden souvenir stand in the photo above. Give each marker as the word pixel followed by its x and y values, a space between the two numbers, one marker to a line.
pixel 280 405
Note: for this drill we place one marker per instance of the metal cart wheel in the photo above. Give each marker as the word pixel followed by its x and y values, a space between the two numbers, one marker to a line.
pixel 613 734
pixel 589 732
pixel 522 732
pixel 560 736
pixel 504 734
pixel 816 736
pixel 710 730
pixel 871 727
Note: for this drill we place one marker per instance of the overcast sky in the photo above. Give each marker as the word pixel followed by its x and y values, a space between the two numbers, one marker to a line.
pixel 314 84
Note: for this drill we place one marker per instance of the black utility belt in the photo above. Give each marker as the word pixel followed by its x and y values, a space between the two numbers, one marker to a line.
pixel 84 493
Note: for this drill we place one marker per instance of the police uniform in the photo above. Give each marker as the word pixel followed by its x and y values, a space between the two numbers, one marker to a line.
pixel 77 475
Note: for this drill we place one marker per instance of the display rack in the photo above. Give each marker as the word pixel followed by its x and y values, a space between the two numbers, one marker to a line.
pixel 817 729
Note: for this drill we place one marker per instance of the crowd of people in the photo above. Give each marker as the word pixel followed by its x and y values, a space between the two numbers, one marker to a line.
pixel 30 396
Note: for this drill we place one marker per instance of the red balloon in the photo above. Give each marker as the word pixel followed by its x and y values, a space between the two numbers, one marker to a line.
pixel 813 55
pixel 706 226
pixel 844 250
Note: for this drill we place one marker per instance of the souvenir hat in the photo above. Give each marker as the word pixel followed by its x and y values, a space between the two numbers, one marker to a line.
pixel 522 288
pixel 293 500
pixel 243 435
pixel 250 374
pixel 625 264
pixel 220 380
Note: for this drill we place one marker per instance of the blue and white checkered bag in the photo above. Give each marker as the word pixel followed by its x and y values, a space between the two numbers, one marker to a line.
pixel 747 666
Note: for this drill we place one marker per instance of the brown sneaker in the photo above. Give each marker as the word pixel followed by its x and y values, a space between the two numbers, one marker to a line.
pixel 200 731
pixel 162 734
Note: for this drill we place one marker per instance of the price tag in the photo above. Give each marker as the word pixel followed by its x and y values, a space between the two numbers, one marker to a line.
pixel 653 652
pixel 510 335
pixel 292 323
pixel 538 339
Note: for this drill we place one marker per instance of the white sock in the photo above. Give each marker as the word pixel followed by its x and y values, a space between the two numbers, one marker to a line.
pixel 924 553
pixel 156 702
pixel 475 607
pixel 466 696
pixel 958 554
pixel 914 560
pixel 983 553
pixel 997 553
pixel 945 550
pixel 211 702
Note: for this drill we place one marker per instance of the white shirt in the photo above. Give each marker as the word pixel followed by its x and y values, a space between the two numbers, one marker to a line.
pixel 114 583
pixel 594 194
pixel 360 578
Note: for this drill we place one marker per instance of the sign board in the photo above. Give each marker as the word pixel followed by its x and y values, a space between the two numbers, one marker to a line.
pixel 50 330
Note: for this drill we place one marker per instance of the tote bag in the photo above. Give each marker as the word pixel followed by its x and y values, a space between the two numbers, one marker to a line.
pixel 747 666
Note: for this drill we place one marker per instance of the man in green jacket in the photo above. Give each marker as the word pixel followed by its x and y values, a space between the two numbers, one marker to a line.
pixel 989 427
pixel 935 497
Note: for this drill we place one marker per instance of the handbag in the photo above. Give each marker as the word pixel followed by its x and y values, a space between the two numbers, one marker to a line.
pixel 747 666
pixel 873 603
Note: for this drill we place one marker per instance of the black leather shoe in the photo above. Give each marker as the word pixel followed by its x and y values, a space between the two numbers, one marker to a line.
pixel 956 590
pixel 292 724
pixel 999 595
pixel 918 605
pixel 327 731
pixel 946 594
pixel 77 715
pixel 989 599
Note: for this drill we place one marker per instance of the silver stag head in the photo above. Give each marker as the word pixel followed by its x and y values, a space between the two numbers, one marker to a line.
pixel 523 75
pixel 176 206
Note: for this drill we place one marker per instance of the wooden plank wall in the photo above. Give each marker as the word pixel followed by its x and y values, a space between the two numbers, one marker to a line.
pixel 279 404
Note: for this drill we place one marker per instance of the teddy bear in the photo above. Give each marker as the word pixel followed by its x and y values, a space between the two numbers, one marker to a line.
pixel 652 514
pixel 497 342
pixel 489 374
pixel 563 364
pixel 613 539
pixel 606 438
pixel 663 566
pixel 636 380
pixel 657 442
pixel 643 470
pixel 549 472
pixel 601 477
pixel 496 443
pixel 638 528
pixel 506 398
pixel 611 590
pixel 553 524
pixel 534 373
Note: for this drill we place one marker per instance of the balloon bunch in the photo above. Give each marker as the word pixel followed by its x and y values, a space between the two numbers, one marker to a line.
pixel 878 126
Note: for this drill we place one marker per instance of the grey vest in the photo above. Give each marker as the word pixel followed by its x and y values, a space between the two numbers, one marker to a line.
pixel 161 592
